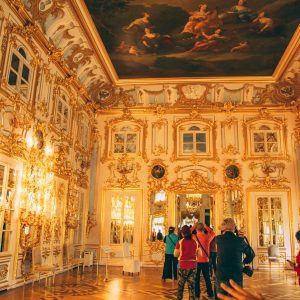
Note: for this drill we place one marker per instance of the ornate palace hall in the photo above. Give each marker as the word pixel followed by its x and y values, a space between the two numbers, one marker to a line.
pixel 124 123
pixel 70 286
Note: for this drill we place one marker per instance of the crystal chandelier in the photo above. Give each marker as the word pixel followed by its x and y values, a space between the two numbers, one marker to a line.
pixel 193 203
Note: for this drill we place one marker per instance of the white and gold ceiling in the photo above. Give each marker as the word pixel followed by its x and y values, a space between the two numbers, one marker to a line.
pixel 119 49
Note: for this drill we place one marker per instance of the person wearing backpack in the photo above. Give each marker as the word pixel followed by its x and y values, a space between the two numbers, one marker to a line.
pixel 230 251
pixel 170 265
pixel 203 236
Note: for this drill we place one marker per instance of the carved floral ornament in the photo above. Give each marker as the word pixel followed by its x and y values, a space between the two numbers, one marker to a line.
pixel 3 272
pixel 232 173
pixel 124 173
pixel 268 174
pixel 195 182
pixel 157 178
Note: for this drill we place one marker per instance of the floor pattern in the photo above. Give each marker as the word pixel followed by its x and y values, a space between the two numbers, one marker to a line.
pixel 70 286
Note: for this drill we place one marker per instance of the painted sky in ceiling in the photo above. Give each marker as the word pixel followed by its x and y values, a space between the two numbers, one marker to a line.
pixel 190 38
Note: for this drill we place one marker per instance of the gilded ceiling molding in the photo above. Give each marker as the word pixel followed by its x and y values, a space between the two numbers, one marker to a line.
pixel 33 7
pixel 183 100
pixel 265 117
pixel 110 125
pixel 211 126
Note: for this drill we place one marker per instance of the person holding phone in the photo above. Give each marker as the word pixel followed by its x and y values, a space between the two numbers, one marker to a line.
pixel 296 265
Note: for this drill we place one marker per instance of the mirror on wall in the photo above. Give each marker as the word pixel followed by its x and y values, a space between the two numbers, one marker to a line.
pixel 157 217
pixel 233 206
pixel 194 206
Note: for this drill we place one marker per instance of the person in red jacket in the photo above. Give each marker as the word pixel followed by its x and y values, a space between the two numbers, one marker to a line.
pixel 297 264
pixel 186 250
pixel 203 236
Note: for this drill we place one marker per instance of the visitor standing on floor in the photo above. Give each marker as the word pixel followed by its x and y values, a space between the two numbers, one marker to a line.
pixel 203 236
pixel 296 265
pixel 186 250
pixel 230 250
pixel 213 257
pixel 170 265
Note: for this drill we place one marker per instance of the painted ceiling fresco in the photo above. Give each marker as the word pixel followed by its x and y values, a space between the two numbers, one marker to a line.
pixel 193 38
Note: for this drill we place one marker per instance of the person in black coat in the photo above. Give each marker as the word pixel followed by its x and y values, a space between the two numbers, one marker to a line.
pixel 230 251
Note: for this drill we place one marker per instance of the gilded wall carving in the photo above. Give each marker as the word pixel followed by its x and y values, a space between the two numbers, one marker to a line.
pixel 268 174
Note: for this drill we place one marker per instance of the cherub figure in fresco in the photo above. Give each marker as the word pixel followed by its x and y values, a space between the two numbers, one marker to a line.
pixel 243 12
pixel 122 48
pixel 264 22
pixel 242 46
pixel 140 22
pixel 209 41
pixel 150 39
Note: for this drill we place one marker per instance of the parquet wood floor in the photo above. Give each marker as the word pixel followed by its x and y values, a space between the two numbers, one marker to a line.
pixel 147 286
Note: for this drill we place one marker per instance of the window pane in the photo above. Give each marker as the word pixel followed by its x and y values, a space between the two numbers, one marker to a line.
pixel 201 148
pixel 258 137
pixel 272 147
pixel 128 221
pixel 119 148
pixel 131 138
pixel 259 147
pixel 66 112
pixel 116 219
pixel 201 137
pixel 194 128
pixel 187 148
pixel 187 137
pixel 59 106
pixel 25 73
pixel 131 148
pixel 22 52
pixel 12 80
pixel 119 138
pixel 271 137
pixel 15 62
pixel 5 239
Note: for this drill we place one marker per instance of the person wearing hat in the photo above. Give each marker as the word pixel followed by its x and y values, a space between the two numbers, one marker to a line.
pixel 170 265
pixel 230 250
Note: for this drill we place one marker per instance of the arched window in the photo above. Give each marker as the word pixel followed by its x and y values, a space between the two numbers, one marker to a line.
pixel 265 140
pixel 194 141
pixel 125 140
pixel 62 113
pixel 19 75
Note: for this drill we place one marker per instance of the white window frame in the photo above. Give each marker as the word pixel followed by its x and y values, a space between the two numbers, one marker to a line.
pixel 5 187
pixel 194 142
pixel 22 61
pixel 265 142
pixel 122 218
pixel 125 143
pixel 271 233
